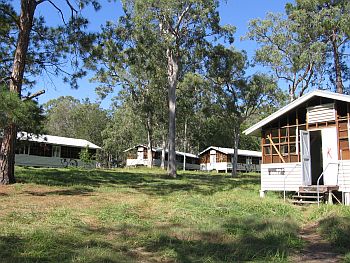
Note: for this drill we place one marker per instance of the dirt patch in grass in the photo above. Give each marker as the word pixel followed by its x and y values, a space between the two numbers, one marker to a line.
pixel 317 248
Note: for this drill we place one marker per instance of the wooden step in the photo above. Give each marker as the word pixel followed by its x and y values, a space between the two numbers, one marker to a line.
pixel 312 192
pixel 307 196
pixel 322 188
pixel 300 202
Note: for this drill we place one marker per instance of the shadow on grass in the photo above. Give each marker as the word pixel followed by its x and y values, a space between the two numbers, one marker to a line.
pixel 336 230
pixel 83 191
pixel 237 240
pixel 47 246
pixel 251 240
pixel 147 182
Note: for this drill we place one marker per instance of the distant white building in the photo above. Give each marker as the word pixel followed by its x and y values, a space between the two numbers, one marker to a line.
pixel 50 151
pixel 220 159
pixel 137 156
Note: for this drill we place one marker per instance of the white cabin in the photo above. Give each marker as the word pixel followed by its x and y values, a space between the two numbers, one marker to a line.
pixel 306 143
pixel 220 159
pixel 137 156
pixel 50 151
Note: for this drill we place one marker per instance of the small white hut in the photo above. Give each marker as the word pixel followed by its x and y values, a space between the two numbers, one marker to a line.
pixel 305 145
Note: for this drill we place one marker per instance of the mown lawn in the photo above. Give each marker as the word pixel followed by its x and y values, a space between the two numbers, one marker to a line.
pixel 139 215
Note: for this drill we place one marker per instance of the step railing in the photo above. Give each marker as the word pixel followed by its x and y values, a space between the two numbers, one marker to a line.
pixel 285 178
pixel 318 182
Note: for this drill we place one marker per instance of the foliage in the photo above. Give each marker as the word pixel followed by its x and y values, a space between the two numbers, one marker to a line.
pixel 123 131
pixel 52 50
pixel 292 55
pixel 27 115
pixel 85 156
pixel 326 23
pixel 239 97
pixel 153 45
pixel 69 117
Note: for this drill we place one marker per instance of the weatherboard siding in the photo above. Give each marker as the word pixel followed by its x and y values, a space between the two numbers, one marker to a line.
pixel 321 113
pixel 280 176
pixel 344 176
pixel 41 161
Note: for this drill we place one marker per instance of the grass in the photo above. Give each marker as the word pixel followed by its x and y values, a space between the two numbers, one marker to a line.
pixel 139 215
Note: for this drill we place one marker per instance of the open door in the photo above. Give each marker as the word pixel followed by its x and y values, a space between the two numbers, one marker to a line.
pixel 305 157
pixel 330 156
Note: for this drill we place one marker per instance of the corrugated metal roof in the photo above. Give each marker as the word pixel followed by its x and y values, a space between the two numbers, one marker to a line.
pixel 255 129
pixel 57 140
pixel 231 151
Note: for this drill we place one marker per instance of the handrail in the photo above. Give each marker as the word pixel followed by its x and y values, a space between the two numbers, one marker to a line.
pixel 284 180
pixel 318 182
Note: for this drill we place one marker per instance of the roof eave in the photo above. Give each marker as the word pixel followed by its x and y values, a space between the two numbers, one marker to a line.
pixel 256 129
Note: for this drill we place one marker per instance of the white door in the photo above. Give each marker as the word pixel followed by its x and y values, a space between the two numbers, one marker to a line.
pixel 305 157
pixel 212 160
pixel 330 156
pixel 140 153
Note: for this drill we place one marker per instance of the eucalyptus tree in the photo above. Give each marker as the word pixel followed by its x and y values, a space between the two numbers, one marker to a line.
pixel 292 54
pixel 327 22
pixel 127 57
pixel 239 97
pixel 181 30
pixel 29 47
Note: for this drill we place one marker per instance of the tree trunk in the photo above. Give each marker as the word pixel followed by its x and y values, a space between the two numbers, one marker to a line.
pixel 7 150
pixel 172 81
pixel 235 146
pixel 162 164
pixel 149 144
pixel 291 92
pixel 7 155
pixel 338 71
pixel 185 144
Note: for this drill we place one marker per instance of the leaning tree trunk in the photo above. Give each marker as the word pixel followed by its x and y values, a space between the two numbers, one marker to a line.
pixel 149 138
pixel 172 81
pixel 337 65
pixel 235 147
pixel 7 150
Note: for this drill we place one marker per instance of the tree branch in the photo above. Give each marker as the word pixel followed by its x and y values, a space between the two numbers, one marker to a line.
pixel 59 10
pixel 73 10
pixel 36 94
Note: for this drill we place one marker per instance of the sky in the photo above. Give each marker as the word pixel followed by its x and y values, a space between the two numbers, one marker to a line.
pixel 235 12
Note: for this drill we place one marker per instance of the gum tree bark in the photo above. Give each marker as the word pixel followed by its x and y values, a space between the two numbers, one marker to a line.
pixel 235 146
pixel 7 150
pixel 173 69
pixel 149 138
pixel 338 69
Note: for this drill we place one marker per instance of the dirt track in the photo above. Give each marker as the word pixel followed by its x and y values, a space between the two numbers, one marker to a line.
pixel 317 249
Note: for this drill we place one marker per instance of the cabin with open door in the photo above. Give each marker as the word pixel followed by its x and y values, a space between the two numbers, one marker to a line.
pixel 306 144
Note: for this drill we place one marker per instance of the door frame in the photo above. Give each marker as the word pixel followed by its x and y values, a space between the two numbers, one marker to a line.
pixel 305 155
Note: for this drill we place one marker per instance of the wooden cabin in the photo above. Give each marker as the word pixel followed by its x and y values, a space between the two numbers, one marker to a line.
pixel 50 151
pixel 306 143
pixel 137 156
pixel 220 160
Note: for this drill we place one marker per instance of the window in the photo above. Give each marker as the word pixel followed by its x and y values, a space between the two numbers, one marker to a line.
pixel 70 152
pixel 40 149
pixel 56 151
pixel 22 148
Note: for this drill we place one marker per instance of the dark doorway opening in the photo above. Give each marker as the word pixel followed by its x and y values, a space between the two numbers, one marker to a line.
pixel 316 156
